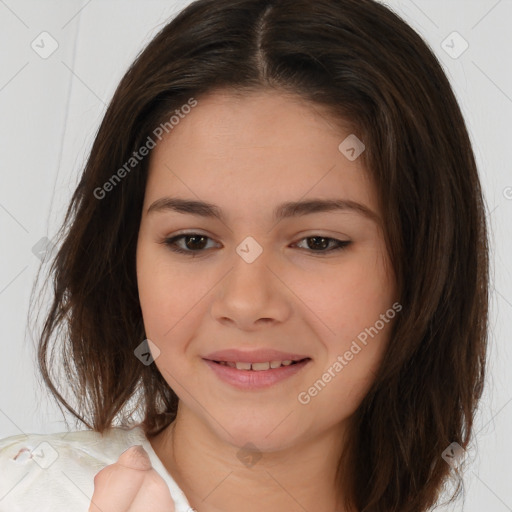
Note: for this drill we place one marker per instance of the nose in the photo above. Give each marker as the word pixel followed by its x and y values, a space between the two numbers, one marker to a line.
pixel 251 295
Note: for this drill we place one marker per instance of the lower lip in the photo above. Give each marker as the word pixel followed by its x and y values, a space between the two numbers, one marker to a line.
pixel 251 379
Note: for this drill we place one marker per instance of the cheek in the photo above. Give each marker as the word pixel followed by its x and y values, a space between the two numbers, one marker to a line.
pixel 354 303
pixel 163 292
pixel 168 302
pixel 348 296
pixel 174 301
pixel 338 387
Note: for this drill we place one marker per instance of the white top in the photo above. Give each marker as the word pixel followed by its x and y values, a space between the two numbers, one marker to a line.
pixel 55 472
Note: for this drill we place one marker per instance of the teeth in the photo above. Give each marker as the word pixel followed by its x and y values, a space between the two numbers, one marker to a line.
pixel 258 367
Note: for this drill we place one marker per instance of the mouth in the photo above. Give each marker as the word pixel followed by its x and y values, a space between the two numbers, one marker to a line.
pixel 256 376
pixel 261 366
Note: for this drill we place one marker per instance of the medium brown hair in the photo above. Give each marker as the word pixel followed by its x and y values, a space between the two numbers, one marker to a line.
pixel 367 67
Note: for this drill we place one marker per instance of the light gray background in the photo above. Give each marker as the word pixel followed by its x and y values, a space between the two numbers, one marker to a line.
pixel 51 108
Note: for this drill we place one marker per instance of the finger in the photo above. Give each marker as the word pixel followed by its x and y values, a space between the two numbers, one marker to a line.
pixel 117 485
pixel 135 458
pixel 154 495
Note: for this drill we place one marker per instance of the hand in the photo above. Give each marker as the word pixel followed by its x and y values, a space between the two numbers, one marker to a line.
pixel 131 485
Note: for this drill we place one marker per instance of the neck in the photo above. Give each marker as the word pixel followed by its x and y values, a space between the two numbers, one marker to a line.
pixel 218 476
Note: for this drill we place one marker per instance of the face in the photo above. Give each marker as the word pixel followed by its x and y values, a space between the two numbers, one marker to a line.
pixel 258 282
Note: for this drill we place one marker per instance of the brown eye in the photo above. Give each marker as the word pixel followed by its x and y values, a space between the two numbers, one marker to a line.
pixel 321 244
pixel 193 243
pixel 318 242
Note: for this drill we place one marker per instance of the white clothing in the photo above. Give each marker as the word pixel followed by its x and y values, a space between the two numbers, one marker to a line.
pixel 55 472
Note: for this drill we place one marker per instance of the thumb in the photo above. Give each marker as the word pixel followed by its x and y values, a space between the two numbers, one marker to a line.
pixel 135 458
pixel 117 485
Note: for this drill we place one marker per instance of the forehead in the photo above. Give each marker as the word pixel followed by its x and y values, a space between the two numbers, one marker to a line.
pixel 254 149
pixel 223 120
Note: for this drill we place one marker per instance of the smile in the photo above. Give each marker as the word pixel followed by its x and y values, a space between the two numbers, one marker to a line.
pixel 255 376
pixel 257 367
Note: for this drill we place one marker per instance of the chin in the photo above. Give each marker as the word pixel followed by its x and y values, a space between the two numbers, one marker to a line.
pixel 263 433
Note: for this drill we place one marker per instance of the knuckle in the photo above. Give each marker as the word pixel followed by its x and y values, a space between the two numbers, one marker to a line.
pixel 104 474
pixel 154 481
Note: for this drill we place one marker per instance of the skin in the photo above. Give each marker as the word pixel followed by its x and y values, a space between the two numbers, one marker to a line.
pixel 130 485
pixel 247 155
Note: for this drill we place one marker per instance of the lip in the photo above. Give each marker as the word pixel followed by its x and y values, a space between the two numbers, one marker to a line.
pixel 253 356
pixel 255 380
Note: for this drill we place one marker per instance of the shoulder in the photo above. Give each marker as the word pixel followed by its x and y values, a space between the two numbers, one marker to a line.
pixel 54 472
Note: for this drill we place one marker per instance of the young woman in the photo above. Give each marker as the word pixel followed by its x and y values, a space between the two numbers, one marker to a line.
pixel 277 257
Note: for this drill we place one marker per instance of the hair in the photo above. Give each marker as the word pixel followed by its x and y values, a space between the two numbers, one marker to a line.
pixel 367 67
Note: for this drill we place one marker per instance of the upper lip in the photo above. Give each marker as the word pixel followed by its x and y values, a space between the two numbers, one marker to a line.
pixel 253 356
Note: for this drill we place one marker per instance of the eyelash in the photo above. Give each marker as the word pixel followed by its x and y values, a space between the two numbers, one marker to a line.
pixel 171 244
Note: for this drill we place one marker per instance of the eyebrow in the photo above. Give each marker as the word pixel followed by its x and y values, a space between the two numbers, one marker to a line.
pixel 282 211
